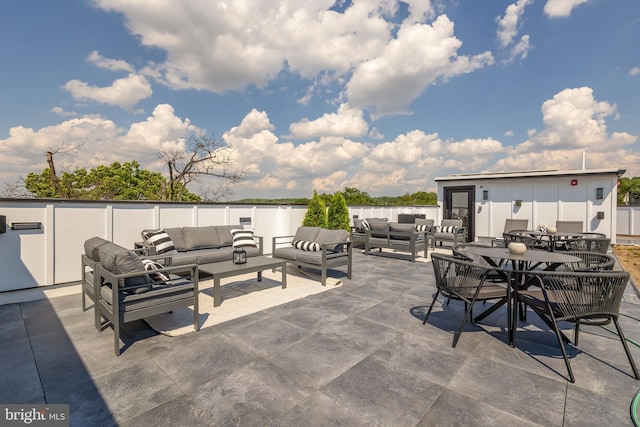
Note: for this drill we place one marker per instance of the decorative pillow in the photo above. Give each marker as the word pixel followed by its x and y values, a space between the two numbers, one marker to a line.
pixel 306 246
pixel 423 227
pixel 152 265
pixel 162 242
pixel 365 225
pixel 448 229
pixel 242 237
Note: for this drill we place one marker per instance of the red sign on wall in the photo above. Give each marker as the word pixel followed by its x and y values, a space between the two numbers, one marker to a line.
pixel 574 182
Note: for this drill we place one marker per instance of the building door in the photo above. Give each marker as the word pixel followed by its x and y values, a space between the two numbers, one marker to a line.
pixel 458 204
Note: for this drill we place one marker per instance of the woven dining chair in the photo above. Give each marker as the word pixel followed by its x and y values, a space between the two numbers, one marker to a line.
pixel 463 280
pixel 581 298
pixel 592 261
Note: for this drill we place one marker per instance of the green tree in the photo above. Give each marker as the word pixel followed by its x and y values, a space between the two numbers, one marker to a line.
pixel 316 215
pixel 338 214
pixel 114 182
pixel 628 188
pixel 353 196
pixel 418 198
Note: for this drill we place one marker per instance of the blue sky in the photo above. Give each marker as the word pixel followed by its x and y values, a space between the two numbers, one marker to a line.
pixel 375 94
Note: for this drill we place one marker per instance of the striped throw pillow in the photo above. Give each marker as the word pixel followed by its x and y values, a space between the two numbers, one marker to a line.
pixel 306 246
pixel 242 237
pixel 151 266
pixel 422 227
pixel 161 241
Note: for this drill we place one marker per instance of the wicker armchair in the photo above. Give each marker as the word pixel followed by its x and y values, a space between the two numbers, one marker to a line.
pixel 591 298
pixel 461 280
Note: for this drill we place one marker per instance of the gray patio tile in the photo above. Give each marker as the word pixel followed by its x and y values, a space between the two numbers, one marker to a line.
pixel 314 317
pixel 18 370
pixel 256 394
pixel 88 408
pixel 455 409
pixel 348 304
pixel 268 336
pixel 320 410
pixel 317 360
pixel 432 360
pixel 133 390
pixel 374 293
pixel 384 394
pixel 203 359
pixel 585 409
pixel 529 396
pixel 360 334
pixel 180 411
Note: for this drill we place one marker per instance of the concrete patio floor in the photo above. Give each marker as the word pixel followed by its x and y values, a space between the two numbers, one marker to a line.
pixel 352 356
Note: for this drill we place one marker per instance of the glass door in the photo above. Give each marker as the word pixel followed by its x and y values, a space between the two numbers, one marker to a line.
pixel 458 204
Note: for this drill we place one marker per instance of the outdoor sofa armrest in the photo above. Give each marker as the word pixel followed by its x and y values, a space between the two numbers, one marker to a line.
pixel 114 279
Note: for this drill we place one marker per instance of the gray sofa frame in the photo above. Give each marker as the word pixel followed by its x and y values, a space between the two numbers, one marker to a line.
pixel 324 259
pixel 411 242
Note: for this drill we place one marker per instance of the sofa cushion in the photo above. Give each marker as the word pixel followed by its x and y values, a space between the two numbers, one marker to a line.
pixel 326 236
pixel 224 234
pixel 160 240
pixel 379 229
pixel 206 256
pixel 306 233
pixel 242 237
pixel 91 247
pixel 403 228
pixel 306 246
pixel 177 238
pixel 287 252
pixel 200 237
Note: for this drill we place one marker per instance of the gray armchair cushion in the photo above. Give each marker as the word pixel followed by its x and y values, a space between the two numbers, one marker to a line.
pixel 308 234
pixel 405 228
pixel 200 238
pixel 454 222
pixel 119 260
pixel 91 247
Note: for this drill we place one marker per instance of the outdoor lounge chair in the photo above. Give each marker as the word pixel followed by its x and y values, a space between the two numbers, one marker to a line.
pixel 581 298
pixel 449 230
pixel 125 291
pixel 510 224
pixel 462 280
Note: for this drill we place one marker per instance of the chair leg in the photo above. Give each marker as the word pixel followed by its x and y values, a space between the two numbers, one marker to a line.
pixel 576 334
pixel 431 307
pixel 559 337
pixel 467 314
pixel 116 335
pixel 626 349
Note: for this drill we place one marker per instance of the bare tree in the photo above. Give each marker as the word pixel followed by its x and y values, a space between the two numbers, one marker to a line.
pixel 18 189
pixel 203 157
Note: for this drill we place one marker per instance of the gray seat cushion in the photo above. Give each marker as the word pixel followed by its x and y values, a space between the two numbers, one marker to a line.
pixel 287 252
pixel 177 238
pixel 180 289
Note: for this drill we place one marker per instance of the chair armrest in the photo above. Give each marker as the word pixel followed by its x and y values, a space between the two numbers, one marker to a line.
pixel 260 243
pixel 281 240
pixel 145 248
pixel 114 279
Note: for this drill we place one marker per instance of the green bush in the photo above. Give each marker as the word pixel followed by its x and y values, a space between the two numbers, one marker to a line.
pixel 316 215
pixel 338 215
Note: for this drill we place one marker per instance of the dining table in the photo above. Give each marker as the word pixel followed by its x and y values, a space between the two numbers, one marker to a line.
pixel 503 260
pixel 545 239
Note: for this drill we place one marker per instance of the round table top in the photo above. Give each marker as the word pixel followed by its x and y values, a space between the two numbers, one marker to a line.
pixel 529 255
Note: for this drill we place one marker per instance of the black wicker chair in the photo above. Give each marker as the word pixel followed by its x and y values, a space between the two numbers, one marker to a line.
pixel 581 298
pixel 462 280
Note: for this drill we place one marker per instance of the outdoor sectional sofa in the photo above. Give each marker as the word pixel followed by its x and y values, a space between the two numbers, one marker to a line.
pixel 400 237
pixel 198 245
pixel 316 248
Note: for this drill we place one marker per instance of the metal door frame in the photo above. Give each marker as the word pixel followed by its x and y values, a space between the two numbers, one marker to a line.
pixel 471 201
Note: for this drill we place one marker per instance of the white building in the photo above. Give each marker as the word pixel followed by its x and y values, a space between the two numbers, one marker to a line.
pixel 484 201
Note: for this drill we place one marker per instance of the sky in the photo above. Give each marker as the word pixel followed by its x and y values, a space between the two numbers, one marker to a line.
pixel 380 95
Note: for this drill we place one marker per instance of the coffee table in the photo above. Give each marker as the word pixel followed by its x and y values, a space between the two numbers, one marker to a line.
pixel 228 269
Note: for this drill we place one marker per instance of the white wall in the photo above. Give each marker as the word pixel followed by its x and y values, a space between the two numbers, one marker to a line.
pixel 545 199
pixel 51 255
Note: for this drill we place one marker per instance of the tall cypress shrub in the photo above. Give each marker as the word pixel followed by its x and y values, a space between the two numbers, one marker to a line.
pixel 316 215
pixel 338 215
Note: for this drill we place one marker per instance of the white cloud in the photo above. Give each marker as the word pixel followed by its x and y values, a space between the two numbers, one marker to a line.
pixel 227 45
pixel 574 123
pixel 508 25
pixel 62 112
pixel 520 49
pixel 109 64
pixel 346 122
pixel 509 133
pixel 417 57
pixel 634 71
pixel 561 8
pixel 125 92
